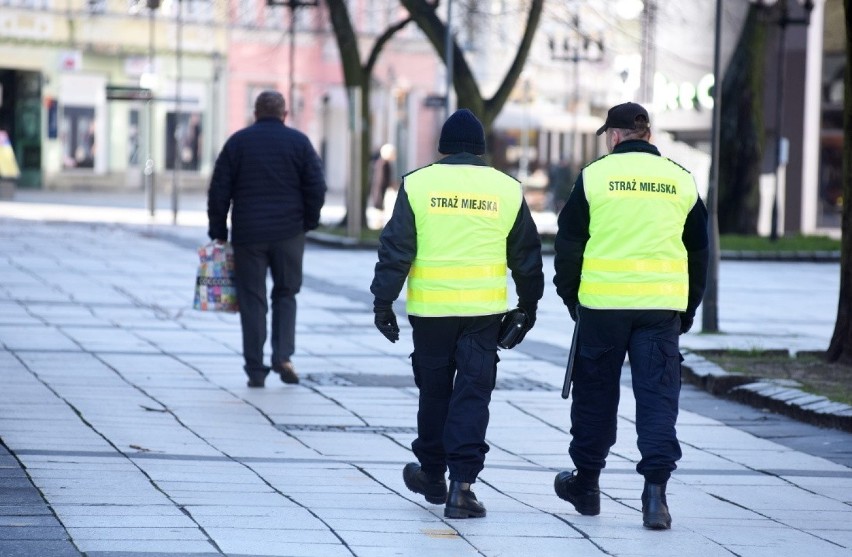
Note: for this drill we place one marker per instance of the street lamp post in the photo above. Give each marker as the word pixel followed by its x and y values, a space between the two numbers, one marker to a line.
pixel 579 48
pixel 784 20
pixel 646 74
pixel 450 51
pixel 710 311
pixel 148 171
pixel 293 5
pixel 178 135
pixel 216 100
pixel 326 99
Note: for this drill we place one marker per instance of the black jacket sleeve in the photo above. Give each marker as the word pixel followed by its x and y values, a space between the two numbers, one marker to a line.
pixel 220 193
pixel 523 256
pixel 571 237
pixel 397 249
pixel 313 186
pixel 695 240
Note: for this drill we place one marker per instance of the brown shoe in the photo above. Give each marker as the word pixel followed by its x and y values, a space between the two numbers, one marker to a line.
pixel 287 373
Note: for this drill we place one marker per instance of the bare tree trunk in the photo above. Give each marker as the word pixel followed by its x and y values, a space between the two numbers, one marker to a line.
pixel 742 133
pixel 366 140
pixel 840 348
pixel 358 74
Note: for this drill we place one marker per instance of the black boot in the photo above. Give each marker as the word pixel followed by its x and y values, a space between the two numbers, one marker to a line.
pixel 434 489
pixel 462 503
pixel 655 511
pixel 257 379
pixel 585 497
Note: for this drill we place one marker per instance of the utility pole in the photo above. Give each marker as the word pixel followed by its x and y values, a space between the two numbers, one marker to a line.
pixel 579 47
pixel 649 25
pixel 449 51
pixel 148 172
pixel 710 305
pixel 781 8
pixel 178 136
pixel 293 5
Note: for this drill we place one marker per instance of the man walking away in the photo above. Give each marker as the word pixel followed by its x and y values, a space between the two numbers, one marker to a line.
pixel 631 264
pixel 270 178
pixel 455 227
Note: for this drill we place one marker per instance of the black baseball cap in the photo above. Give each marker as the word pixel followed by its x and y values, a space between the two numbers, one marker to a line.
pixel 625 116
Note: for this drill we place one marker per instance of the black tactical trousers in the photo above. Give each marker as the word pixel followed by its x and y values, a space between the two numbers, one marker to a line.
pixel 650 338
pixel 455 367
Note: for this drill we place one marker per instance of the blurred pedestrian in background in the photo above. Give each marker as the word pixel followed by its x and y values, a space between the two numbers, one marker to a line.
pixel 383 187
pixel 270 177
pixel 560 180
pixel 455 227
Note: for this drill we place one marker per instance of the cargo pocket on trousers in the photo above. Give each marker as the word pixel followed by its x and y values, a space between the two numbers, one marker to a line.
pixel 481 364
pixel 433 376
pixel 665 357
pixel 594 364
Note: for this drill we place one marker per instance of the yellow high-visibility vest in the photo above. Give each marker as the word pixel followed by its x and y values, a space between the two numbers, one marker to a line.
pixel 463 214
pixel 635 257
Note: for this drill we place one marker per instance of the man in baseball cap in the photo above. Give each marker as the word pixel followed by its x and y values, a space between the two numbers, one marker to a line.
pixel 626 116
pixel 631 263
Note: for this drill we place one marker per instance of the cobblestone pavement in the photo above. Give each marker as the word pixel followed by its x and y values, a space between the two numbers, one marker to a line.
pixel 127 428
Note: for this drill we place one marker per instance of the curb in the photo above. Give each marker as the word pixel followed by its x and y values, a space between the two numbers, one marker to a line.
pixel 812 256
pixel 777 395
pixel 343 242
pixel 333 240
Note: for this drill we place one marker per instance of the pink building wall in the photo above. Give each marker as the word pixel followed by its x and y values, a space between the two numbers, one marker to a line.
pixel 407 65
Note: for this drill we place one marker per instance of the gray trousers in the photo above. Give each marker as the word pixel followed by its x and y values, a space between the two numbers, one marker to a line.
pixel 283 260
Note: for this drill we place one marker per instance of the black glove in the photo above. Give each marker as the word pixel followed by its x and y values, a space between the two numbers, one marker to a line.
pixel 386 322
pixel 572 310
pixel 513 328
pixel 529 309
pixel 686 322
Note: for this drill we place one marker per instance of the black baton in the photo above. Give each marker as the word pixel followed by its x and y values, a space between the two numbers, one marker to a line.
pixel 569 369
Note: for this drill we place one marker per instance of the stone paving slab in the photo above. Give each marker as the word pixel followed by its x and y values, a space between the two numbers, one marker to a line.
pixel 28 526
pixel 130 417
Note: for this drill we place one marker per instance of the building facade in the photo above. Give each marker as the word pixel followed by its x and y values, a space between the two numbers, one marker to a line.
pixel 803 70
pixel 95 89
pixel 142 94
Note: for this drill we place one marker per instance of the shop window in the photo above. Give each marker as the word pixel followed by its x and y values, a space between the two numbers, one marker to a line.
pixel 274 17
pixel 32 4
pixel 78 137
pixel 96 6
pixel 133 137
pixel 247 12
pixel 183 139
pixel 198 10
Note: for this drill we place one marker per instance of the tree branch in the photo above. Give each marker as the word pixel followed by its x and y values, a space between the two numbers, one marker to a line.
pixel 347 43
pixel 435 30
pixel 380 43
pixel 495 104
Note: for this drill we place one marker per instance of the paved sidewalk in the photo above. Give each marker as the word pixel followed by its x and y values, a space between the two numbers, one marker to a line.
pixel 127 428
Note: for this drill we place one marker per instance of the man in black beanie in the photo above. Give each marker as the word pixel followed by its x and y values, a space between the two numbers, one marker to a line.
pixel 456 226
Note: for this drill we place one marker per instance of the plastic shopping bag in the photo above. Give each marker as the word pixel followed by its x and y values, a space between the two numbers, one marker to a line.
pixel 214 285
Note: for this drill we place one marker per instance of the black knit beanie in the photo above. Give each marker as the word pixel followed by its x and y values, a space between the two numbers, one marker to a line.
pixel 462 132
